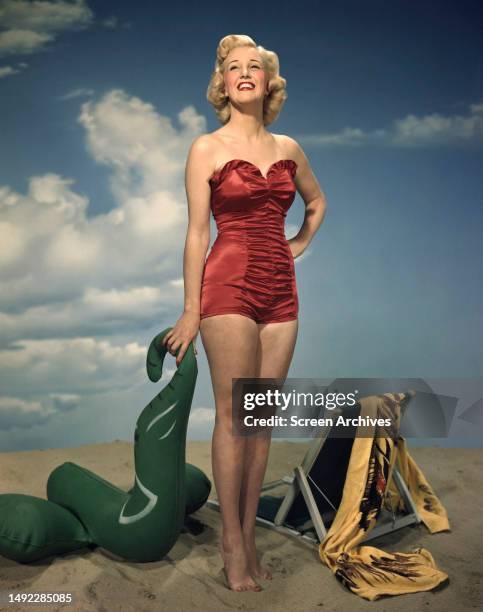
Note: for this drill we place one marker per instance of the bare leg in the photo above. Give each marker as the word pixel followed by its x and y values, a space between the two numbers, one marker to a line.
pixel 275 352
pixel 230 342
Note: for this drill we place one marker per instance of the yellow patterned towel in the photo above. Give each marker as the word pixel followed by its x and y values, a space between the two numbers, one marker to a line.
pixel 365 570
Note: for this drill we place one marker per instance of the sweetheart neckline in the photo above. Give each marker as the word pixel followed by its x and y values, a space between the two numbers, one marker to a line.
pixel 245 161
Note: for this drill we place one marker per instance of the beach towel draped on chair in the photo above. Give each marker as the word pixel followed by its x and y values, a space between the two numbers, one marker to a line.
pixel 366 570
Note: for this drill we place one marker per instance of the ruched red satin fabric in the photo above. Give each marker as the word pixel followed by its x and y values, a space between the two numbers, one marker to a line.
pixel 250 268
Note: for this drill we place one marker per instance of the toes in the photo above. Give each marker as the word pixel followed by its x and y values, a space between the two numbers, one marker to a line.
pixel 245 587
pixel 261 573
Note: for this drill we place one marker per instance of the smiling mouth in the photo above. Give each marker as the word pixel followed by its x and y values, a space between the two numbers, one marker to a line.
pixel 246 86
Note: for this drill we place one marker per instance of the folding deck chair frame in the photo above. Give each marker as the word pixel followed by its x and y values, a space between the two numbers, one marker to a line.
pixel 315 529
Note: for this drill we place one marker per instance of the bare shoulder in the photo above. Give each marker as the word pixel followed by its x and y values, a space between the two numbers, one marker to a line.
pixel 207 147
pixel 202 145
pixel 290 148
pixel 201 156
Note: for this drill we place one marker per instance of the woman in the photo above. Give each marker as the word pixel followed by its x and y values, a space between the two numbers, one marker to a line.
pixel 243 299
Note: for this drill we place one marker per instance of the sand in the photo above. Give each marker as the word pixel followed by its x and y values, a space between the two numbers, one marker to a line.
pixel 189 578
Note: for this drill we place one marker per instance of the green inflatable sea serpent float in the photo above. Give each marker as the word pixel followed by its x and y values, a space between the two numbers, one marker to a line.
pixel 82 509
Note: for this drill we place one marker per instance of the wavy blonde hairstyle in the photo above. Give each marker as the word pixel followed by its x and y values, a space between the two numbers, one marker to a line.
pixel 277 94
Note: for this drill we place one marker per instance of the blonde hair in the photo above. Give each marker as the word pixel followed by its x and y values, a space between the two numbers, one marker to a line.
pixel 277 94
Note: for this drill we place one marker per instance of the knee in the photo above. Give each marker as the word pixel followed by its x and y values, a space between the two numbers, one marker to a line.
pixel 224 419
pixel 226 424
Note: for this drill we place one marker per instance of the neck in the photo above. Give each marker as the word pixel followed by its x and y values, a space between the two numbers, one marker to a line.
pixel 246 124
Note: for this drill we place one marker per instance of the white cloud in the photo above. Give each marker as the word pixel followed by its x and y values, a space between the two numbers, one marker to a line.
pixel 64 273
pixel 307 253
pixel 291 230
pixel 71 365
pixel 22 42
pixel 6 71
pixel 44 15
pixel 111 22
pixel 439 129
pixel 29 26
pixel 143 148
pixel 94 312
pixel 65 401
pixel 411 131
pixel 23 414
pixel 68 278
pixel 202 416
pixel 77 93
pixel 54 374
pixel 114 23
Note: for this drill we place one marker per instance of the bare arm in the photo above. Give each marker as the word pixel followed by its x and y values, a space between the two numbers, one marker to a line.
pixel 313 196
pixel 198 191
pixel 197 173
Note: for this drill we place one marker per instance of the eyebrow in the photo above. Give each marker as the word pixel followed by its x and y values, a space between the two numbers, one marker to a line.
pixel 252 60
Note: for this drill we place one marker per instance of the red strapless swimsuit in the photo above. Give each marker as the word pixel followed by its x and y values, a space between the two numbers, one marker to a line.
pixel 250 268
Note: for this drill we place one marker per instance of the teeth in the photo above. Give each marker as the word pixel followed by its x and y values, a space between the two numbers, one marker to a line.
pixel 246 86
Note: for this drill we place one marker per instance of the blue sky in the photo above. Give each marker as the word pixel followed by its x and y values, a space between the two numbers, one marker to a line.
pixel 100 102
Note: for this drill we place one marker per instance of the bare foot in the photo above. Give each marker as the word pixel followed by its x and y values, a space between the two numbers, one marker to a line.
pixel 236 572
pixel 254 567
